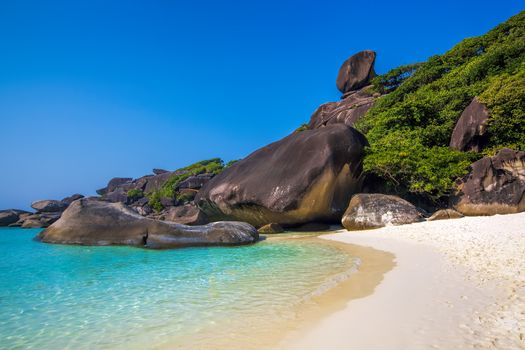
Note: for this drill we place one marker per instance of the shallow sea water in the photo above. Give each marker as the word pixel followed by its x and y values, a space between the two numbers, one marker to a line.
pixel 73 297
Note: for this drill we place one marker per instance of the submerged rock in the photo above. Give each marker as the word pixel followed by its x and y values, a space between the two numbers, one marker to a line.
pixel 367 211
pixel 470 132
pixel 356 71
pixel 495 185
pixel 94 222
pixel 305 177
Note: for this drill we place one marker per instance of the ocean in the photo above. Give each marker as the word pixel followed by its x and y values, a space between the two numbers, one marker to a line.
pixel 58 297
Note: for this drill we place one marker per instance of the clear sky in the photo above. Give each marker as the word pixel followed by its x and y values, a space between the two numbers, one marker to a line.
pixel 90 90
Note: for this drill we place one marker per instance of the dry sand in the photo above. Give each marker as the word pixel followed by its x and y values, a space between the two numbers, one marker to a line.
pixel 457 284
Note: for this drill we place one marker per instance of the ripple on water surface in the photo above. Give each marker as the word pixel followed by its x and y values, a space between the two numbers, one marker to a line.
pixel 54 296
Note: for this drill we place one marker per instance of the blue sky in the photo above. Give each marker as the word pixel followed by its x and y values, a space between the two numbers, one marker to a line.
pixel 90 90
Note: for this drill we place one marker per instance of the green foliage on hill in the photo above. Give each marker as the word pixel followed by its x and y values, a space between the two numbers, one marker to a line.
pixel 409 129
pixel 169 189
pixel 135 194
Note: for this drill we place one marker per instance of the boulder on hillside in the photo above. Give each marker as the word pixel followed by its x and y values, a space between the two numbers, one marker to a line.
pixel 356 71
pixel 470 132
pixel 495 185
pixel 94 222
pixel 307 176
pixel 188 214
pixel 347 111
pixel 445 214
pixel 374 210
pixel 49 206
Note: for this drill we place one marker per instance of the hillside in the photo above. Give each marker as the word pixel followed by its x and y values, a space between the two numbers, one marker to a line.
pixel 409 128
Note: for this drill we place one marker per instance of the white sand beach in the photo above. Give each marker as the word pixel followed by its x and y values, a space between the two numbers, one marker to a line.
pixel 457 284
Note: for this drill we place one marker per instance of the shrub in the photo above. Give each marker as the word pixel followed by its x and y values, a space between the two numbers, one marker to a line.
pixel 135 194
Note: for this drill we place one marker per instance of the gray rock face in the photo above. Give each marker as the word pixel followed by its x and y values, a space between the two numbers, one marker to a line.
pixel 49 206
pixel 188 214
pixel 495 185
pixel 156 182
pixel 195 182
pixel 347 111
pixel 445 214
pixel 471 129
pixel 113 184
pixel 94 222
pixel 307 176
pixel 356 71
pixel 117 196
pixel 367 211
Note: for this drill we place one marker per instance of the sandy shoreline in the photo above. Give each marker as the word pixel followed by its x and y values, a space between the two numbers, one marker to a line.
pixel 458 284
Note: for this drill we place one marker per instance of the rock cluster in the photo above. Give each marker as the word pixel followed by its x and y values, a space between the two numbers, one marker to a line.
pixel 305 181
pixel 133 192
pixel 46 212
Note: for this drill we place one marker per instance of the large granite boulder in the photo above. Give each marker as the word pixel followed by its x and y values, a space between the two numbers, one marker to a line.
pixel 94 222
pixel 49 206
pixel 374 210
pixel 495 185
pixel 470 132
pixel 347 111
pixel 356 71
pixel 307 176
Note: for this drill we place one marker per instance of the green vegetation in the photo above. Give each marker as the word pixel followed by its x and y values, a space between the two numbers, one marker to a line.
pixel 303 127
pixel 135 194
pixel 409 129
pixel 169 189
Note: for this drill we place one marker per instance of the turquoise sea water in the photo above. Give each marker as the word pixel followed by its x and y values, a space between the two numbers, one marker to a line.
pixel 57 297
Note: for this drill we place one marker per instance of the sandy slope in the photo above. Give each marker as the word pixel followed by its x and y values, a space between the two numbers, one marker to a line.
pixel 458 284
